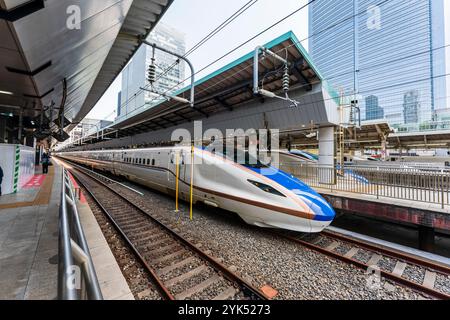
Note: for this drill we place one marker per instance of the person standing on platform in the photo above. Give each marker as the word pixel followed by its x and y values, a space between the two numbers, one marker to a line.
pixel 1 180
pixel 45 162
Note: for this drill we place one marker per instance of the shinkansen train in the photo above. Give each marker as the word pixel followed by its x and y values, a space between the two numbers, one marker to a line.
pixel 260 194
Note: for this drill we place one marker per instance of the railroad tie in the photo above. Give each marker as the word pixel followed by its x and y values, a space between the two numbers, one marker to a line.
pixel 399 268
pixel 430 278
pixel 374 260
pixel 332 246
pixel 157 243
pixel 175 266
pixel 228 293
pixel 198 288
pixel 351 252
pixel 169 256
pixel 169 247
pixel 186 275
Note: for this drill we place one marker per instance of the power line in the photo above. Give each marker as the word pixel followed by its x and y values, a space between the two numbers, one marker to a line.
pixel 209 36
pixel 235 15
pixel 315 34
pixel 275 24
pixel 239 46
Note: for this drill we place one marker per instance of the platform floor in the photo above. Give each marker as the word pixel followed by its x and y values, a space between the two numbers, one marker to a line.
pixel 29 244
pixel 29 241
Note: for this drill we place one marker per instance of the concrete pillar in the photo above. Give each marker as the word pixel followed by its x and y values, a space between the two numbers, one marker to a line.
pixel 383 149
pixel 327 153
pixel 426 238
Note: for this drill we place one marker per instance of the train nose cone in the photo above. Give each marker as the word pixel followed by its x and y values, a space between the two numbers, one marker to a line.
pixel 322 209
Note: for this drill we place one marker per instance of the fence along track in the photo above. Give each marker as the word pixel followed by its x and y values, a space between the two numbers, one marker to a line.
pixel 179 269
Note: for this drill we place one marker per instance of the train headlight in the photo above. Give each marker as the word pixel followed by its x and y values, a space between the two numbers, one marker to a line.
pixel 266 188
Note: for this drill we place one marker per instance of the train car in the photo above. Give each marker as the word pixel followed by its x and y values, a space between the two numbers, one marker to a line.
pixel 261 195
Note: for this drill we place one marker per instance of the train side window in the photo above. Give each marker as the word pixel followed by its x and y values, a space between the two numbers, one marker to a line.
pixel 148 162
pixel 153 162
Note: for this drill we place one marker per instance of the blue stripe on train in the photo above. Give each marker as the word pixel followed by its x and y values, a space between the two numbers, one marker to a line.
pixel 322 209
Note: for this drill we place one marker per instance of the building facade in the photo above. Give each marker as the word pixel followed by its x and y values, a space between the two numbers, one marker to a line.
pixel 373 109
pixel 87 126
pixel 134 76
pixel 394 51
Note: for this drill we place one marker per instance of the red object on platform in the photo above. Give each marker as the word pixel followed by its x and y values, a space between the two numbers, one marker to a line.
pixel 35 182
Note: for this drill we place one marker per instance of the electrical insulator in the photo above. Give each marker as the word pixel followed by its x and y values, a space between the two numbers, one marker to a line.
pixel 286 79
pixel 151 73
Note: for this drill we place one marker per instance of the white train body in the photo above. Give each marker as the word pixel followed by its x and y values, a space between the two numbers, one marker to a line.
pixel 265 198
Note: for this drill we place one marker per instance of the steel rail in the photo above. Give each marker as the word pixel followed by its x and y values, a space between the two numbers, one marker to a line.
pixel 398 279
pixel 159 284
pixel 392 253
pixel 246 287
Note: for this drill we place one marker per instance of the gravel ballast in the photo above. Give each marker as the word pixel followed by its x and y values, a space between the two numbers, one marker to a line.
pixel 264 259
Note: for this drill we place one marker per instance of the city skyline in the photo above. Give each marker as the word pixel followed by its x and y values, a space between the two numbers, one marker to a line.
pixel 241 28
pixel 386 51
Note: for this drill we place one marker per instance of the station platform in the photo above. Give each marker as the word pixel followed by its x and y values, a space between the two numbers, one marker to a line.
pixel 426 217
pixel 396 210
pixel 29 222
pixel 29 240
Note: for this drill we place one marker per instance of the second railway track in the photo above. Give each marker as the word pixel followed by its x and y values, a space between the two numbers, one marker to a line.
pixel 178 268
pixel 389 263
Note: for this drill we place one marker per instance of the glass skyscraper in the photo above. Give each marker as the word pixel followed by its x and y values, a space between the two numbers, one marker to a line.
pixel 389 55
pixel 134 75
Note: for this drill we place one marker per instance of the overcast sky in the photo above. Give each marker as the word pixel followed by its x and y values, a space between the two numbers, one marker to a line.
pixel 196 18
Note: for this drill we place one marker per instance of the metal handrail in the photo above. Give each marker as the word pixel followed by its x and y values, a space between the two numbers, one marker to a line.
pixel 77 279
pixel 412 184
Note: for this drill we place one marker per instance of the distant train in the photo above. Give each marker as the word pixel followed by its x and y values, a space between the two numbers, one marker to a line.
pixel 261 195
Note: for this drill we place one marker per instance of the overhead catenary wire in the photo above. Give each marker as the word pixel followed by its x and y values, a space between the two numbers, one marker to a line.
pixel 321 31
pixel 210 35
pixel 231 51
pixel 262 32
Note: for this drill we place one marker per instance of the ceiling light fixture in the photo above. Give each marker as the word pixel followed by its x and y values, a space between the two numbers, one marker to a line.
pixel 6 92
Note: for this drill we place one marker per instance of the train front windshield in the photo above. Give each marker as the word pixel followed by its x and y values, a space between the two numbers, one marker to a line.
pixel 238 155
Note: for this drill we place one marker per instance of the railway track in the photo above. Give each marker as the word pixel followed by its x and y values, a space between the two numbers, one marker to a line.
pixel 388 263
pixel 179 269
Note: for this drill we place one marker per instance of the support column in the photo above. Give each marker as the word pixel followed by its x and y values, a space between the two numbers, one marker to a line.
pixel 19 135
pixel 383 149
pixel 327 153
pixel 426 238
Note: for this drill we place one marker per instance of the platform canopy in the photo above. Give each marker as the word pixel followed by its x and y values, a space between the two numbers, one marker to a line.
pixel 418 140
pixel 45 59
pixel 224 90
